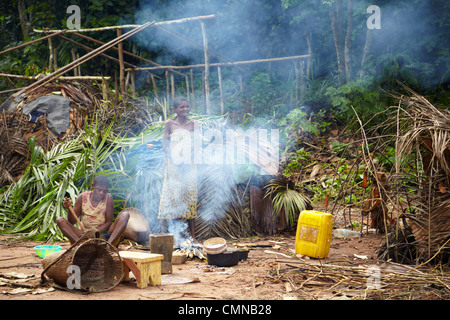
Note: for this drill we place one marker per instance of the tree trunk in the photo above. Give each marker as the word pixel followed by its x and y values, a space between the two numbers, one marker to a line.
pixel 336 23
pixel 348 38
pixel 24 23
pixel 365 53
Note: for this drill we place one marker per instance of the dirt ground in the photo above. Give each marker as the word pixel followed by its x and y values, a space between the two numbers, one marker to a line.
pixel 272 272
pixel 263 276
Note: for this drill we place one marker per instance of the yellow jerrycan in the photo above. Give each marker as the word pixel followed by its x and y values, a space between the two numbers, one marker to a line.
pixel 313 235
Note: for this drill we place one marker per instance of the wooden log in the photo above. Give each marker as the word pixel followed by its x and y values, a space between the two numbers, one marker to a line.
pixel 162 243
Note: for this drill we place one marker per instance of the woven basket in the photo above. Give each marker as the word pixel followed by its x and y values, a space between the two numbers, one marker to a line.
pixel 99 263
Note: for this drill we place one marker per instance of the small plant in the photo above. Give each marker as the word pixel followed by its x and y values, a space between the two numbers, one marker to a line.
pixel 286 196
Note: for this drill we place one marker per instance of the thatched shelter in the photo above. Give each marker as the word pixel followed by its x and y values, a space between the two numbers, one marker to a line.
pixel 427 142
pixel 417 192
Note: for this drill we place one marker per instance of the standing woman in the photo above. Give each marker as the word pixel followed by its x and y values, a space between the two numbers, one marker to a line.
pixel 179 193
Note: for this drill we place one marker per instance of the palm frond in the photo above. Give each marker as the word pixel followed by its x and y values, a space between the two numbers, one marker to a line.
pixel 286 198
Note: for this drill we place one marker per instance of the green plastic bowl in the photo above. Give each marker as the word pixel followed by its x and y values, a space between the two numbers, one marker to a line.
pixel 43 251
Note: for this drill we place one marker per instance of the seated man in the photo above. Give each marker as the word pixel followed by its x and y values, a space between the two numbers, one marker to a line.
pixel 95 210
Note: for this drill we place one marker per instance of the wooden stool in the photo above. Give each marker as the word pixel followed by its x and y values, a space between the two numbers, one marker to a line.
pixel 145 267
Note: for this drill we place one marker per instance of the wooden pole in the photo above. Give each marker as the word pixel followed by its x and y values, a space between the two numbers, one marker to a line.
pixel 33 78
pixel 296 81
pixel 222 107
pixel 72 51
pixel 101 54
pixel 172 85
pixel 31 42
pixel 203 91
pixel 155 89
pixel 55 59
pixel 127 80
pixel 167 87
pixel 82 60
pixel 186 78
pixel 130 26
pixel 116 85
pixel 104 90
pixel 224 64
pixel 121 67
pixel 124 52
pixel 302 79
pixel 50 59
pixel 133 87
pixel 79 67
pixel 206 79
pixel 192 88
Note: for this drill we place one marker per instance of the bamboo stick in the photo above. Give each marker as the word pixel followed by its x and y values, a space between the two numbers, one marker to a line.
pixel 55 59
pixel 133 87
pixel 32 78
pixel 121 64
pixel 50 59
pixel 104 90
pixel 172 86
pixel 154 86
pixel 10 90
pixel 211 52
pixel 124 52
pixel 128 26
pixel 31 42
pixel 83 59
pixel 224 64
pixel 206 79
pixel 75 71
pixel 79 67
pixel 186 78
pixel 167 86
pixel 219 74
pixel 192 88
pixel 90 50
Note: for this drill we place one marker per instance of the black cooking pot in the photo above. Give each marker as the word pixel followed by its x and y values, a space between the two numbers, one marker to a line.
pixel 225 259
pixel 243 255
